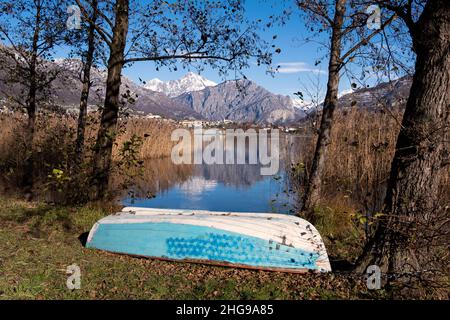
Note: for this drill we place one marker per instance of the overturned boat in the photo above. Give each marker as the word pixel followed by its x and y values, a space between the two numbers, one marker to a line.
pixel 265 241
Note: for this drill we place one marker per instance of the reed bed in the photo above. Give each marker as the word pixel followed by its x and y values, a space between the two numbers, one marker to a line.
pixel 155 134
pixel 54 141
pixel 356 173
pixel 359 156
pixel 355 178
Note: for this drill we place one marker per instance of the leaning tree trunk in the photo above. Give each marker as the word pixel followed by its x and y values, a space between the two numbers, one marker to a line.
pixel 81 129
pixel 313 188
pixel 108 124
pixel 411 199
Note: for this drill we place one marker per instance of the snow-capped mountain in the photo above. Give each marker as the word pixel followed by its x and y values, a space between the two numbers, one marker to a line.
pixel 241 101
pixel 302 104
pixel 189 83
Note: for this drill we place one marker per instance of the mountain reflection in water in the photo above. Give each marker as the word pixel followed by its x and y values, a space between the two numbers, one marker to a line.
pixel 217 187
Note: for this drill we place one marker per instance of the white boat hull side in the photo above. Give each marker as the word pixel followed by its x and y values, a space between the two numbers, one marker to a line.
pixel 288 236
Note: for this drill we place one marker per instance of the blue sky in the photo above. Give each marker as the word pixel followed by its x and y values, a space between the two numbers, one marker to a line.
pixel 296 58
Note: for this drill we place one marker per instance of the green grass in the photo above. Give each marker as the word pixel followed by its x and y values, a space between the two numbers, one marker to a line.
pixel 341 232
pixel 38 242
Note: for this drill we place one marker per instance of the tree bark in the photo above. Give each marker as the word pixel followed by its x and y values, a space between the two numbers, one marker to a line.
pixel 418 164
pixel 313 188
pixel 108 124
pixel 31 108
pixel 81 129
pixel 28 177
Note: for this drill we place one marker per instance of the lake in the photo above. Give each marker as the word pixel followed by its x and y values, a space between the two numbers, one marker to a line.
pixel 217 187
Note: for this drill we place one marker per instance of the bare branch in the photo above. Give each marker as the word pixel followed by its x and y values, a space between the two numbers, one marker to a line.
pixel 366 40
pixel 101 31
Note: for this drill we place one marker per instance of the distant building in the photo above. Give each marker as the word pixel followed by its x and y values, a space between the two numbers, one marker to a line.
pixel 152 116
pixel 205 123
pixel 192 123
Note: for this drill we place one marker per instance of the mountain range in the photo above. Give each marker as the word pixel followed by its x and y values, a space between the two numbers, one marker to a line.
pixel 240 101
pixel 191 97
pixel 392 94
pixel 195 97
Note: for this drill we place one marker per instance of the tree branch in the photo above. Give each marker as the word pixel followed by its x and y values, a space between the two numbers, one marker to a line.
pixel 102 32
pixel 316 12
pixel 366 40
pixel 400 11
pixel 191 55
pixel 101 14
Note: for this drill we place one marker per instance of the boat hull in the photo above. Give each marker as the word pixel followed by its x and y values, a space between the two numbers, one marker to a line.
pixel 258 241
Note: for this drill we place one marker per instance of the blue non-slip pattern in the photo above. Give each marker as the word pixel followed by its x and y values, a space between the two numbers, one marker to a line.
pixel 182 241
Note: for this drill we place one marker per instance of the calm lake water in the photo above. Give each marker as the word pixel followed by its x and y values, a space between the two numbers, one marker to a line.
pixel 217 187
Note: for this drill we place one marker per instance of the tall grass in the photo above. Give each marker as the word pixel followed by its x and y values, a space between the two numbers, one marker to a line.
pixel 355 178
pixel 156 135
pixel 54 152
pixel 356 172
pixel 359 156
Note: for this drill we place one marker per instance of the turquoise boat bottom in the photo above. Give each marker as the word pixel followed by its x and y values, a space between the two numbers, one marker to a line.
pixel 190 242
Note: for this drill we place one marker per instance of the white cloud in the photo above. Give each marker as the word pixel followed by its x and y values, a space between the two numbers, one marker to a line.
pixel 196 186
pixel 296 67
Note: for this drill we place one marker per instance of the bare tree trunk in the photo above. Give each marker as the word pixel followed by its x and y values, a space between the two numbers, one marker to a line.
pixel 28 179
pixel 81 129
pixel 31 107
pixel 418 162
pixel 108 125
pixel 313 188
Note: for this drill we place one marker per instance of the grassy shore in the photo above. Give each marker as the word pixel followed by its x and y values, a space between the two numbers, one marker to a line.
pixel 38 242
